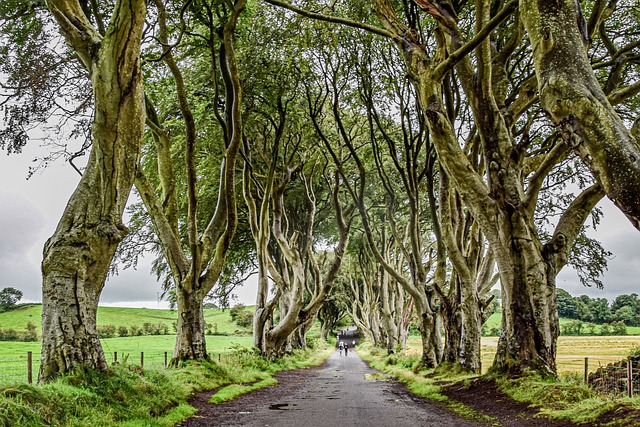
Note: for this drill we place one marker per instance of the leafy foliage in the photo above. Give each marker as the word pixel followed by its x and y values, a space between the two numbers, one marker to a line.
pixel 9 297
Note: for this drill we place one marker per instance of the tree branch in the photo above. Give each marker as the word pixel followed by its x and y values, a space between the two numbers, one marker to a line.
pixel 485 32
pixel 333 19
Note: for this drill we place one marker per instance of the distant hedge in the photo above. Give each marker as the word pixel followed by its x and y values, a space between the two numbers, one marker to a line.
pixel 30 335
pixel 110 331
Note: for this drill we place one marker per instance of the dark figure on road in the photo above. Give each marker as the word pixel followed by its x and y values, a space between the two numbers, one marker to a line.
pixel 346 349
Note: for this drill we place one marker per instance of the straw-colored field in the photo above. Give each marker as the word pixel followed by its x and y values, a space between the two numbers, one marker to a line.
pixel 571 351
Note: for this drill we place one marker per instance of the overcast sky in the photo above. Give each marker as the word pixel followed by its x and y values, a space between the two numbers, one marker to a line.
pixel 29 212
pixel 30 209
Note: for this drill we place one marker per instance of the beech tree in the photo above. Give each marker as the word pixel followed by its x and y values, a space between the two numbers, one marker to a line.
pixel 494 180
pixel 78 255
pixel 505 203
pixel 432 121
pixel 284 230
pixel 196 266
pixel 333 310
pixel 400 159
pixel 380 307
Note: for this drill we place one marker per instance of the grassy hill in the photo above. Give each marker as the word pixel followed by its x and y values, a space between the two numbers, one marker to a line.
pixel 124 317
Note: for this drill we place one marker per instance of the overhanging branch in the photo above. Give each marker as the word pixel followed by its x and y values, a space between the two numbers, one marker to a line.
pixel 333 19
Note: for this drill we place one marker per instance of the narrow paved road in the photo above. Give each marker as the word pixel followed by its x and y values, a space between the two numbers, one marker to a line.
pixel 341 393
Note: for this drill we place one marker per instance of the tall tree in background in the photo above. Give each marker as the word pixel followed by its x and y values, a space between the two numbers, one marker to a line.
pixel 283 207
pixel 380 307
pixel 9 297
pixel 78 255
pixel 293 196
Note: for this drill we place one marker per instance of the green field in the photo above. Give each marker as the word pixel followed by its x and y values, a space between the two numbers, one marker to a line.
pixel 13 355
pixel 572 351
pixel 19 318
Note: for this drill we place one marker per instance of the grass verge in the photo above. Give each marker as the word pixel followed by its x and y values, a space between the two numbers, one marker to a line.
pixel 570 399
pixel 128 396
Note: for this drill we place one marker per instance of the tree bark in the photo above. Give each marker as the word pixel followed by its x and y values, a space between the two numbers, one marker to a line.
pixel 196 270
pixel 500 206
pixel 190 338
pixel 77 256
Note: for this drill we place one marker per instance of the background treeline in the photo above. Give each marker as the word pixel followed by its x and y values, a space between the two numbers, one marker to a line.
pixel 586 316
pixel 624 308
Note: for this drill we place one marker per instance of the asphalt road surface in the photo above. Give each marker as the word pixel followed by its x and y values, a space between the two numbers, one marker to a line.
pixel 343 392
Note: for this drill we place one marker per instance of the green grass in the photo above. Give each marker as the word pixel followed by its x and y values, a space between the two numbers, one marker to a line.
pixel 13 355
pixel 569 400
pixel 234 390
pixel 19 317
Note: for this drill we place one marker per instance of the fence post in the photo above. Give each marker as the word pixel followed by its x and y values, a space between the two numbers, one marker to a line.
pixel 29 367
pixel 142 359
pixel 218 357
pixel 586 370
pixel 115 357
pixel 629 377
pixel 165 360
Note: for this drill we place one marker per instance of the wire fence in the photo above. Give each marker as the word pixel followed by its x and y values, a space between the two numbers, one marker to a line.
pixel 619 377
pixel 23 367
pixel 19 368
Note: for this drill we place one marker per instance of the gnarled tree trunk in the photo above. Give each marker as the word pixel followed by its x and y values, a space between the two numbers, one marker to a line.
pixel 78 255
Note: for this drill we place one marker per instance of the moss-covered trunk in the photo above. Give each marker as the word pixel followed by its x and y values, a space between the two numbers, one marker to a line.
pixel 190 338
pixel 530 320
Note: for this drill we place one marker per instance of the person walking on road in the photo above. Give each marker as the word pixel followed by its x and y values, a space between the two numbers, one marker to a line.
pixel 340 347
pixel 346 349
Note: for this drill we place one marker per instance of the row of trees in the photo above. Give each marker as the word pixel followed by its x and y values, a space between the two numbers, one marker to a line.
pixel 394 160
pixel 625 308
